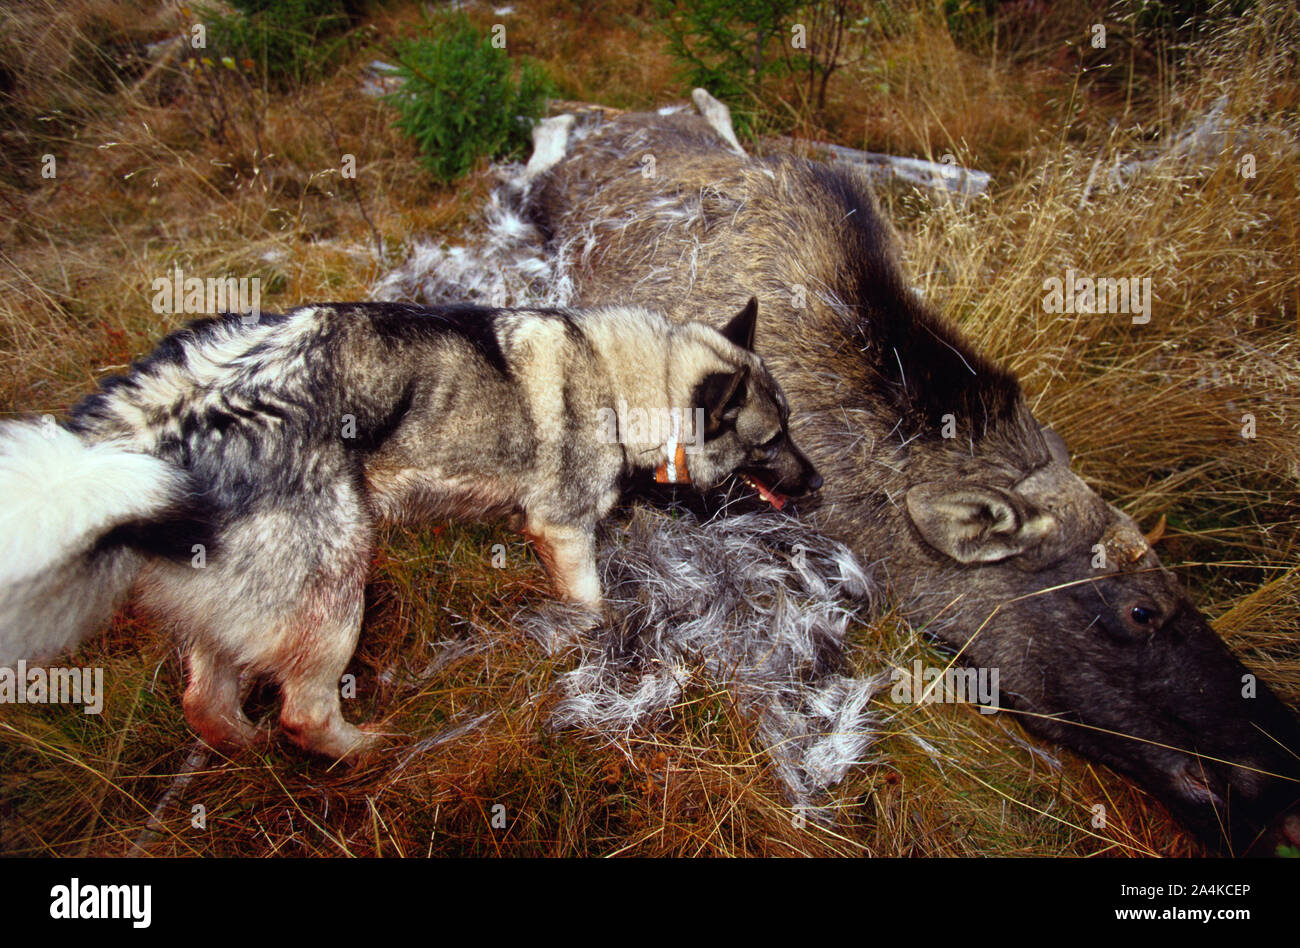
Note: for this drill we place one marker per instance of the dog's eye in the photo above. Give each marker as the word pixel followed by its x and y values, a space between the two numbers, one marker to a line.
pixel 769 447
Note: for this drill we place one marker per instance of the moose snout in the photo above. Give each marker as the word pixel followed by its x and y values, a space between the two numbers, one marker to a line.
pixel 1254 813
pixel 1284 831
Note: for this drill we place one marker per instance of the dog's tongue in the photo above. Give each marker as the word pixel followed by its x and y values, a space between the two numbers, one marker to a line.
pixel 771 496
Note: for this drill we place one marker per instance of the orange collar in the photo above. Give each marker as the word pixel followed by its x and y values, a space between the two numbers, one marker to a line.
pixel 673 471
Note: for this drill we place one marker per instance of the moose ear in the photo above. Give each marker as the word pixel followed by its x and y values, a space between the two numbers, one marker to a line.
pixel 741 328
pixel 1056 445
pixel 972 523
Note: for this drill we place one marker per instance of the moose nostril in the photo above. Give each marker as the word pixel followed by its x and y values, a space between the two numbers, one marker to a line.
pixel 1194 784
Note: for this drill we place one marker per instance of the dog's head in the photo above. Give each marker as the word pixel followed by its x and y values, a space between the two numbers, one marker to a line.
pixel 740 417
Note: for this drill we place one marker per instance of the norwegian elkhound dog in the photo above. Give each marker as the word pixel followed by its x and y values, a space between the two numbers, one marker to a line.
pixel 233 478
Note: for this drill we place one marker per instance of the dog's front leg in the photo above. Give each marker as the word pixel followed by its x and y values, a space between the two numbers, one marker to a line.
pixel 569 554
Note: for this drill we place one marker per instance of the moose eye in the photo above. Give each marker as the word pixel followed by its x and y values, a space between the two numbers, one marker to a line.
pixel 1141 615
pixel 1132 622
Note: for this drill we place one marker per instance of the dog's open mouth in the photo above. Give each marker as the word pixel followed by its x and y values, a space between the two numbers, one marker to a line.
pixel 772 497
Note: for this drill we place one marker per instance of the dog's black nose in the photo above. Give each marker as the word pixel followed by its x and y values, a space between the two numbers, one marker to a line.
pixel 815 482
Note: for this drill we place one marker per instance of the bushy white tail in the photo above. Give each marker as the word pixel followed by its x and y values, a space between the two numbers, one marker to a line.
pixel 59 497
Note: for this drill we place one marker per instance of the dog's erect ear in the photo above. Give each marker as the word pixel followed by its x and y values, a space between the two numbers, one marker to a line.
pixel 721 393
pixel 741 328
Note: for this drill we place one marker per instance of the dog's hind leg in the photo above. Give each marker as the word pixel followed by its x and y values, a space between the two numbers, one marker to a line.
pixel 212 701
pixel 282 598
pixel 311 660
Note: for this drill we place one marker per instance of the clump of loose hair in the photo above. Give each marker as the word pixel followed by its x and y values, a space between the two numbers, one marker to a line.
pixel 756 603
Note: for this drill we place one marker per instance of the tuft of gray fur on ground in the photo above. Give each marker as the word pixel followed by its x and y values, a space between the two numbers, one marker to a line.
pixel 756 603
pixel 504 259
pixel 503 262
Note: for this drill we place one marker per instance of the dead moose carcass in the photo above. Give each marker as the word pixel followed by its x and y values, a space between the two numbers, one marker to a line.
pixel 988 538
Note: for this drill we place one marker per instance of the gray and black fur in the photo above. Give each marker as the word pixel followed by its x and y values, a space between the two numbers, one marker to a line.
pixel 233 478
pixel 753 601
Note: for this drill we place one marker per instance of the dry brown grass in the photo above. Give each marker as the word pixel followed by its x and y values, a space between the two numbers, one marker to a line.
pixel 1152 413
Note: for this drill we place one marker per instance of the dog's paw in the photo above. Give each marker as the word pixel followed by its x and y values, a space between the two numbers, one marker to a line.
pixel 230 737
pixel 338 740
pixel 370 741
pixel 364 738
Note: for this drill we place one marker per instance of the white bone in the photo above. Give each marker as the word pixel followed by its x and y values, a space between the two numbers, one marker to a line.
pixel 717 115
pixel 550 139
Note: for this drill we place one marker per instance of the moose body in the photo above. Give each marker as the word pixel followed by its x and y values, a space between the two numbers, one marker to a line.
pixel 989 540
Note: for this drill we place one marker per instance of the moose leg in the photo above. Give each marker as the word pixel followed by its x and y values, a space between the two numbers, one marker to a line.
pixel 718 116
pixel 550 140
